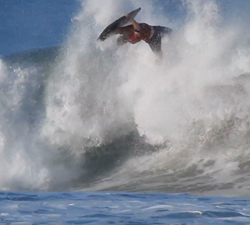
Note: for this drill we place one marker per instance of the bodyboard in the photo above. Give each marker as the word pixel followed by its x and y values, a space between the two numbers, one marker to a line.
pixel 110 29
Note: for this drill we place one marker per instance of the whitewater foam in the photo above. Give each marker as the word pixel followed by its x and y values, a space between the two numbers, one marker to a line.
pixel 185 121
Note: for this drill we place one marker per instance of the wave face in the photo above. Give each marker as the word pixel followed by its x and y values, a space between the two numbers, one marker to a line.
pixel 92 116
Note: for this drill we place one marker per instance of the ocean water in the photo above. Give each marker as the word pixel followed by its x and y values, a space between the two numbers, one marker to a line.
pixel 120 208
pixel 95 133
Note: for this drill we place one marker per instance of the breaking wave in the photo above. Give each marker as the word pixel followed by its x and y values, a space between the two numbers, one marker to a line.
pixel 94 116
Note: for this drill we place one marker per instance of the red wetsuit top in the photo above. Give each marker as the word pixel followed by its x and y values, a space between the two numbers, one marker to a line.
pixel 145 33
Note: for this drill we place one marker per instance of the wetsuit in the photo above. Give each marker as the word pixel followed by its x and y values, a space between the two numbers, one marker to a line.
pixel 150 34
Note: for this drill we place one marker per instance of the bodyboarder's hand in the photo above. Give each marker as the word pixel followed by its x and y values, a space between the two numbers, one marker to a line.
pixel 127 15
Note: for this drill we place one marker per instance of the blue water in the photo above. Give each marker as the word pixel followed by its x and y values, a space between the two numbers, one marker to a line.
pixel 93 134
pixel 120 208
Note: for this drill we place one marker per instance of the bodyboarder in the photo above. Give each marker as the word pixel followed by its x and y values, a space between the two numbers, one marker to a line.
pixel 141 31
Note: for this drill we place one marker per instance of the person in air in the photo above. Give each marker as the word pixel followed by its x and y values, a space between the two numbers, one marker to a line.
pixel 141 31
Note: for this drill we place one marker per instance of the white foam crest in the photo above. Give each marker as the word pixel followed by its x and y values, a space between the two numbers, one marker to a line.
pixel 164 100
pixel 192 99
pixel 19 170
pixel 169 98
pixel 99 89
pixel 27 162
pixel 83 101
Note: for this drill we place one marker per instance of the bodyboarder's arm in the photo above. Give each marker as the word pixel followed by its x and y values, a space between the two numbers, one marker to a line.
pixel 134 23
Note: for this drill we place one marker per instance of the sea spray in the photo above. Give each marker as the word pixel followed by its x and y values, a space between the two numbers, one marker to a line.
pixel 102 117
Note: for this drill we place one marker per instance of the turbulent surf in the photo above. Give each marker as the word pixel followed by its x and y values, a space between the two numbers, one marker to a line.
pixel 94 116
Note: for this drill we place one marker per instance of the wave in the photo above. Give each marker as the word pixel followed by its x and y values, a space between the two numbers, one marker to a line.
pixel 92 116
